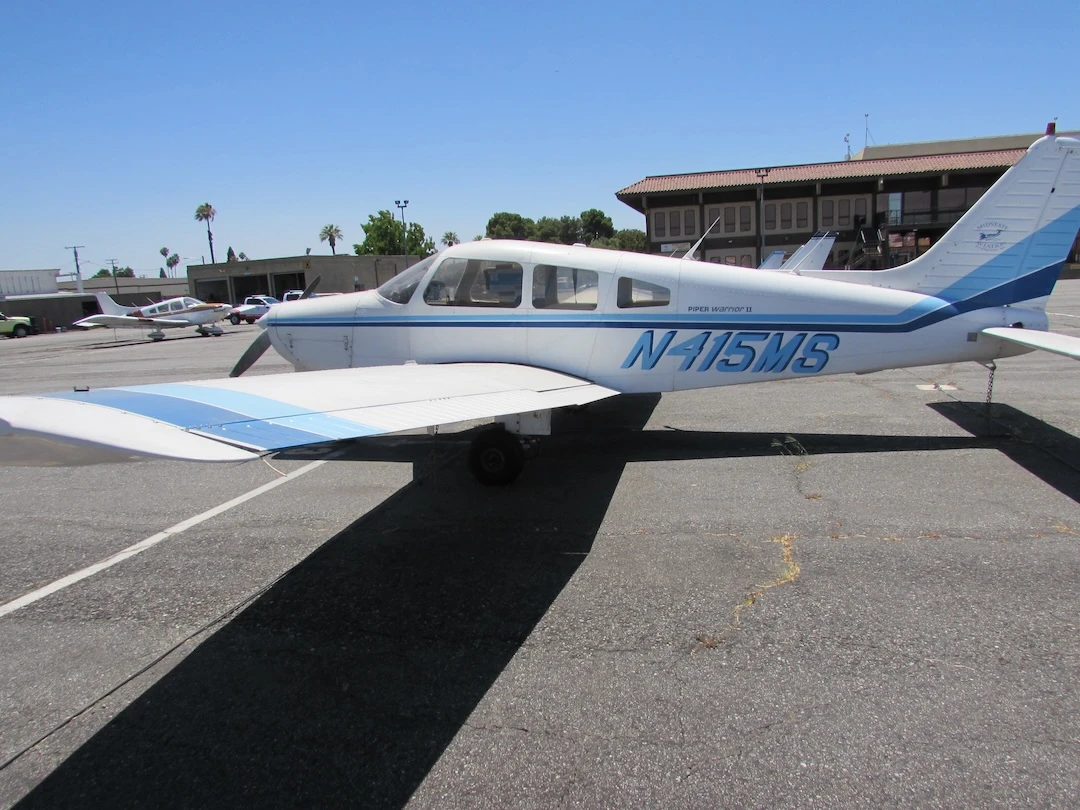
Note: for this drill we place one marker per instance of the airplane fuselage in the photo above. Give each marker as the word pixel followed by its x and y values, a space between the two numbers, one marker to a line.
pixel 638 323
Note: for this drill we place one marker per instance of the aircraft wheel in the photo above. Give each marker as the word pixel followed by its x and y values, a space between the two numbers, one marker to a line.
pixel 496 458
pixel 234 320
pixel 252 320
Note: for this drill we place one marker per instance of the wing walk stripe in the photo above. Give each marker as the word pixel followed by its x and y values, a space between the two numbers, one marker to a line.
pixel 254 406
pixel 201 418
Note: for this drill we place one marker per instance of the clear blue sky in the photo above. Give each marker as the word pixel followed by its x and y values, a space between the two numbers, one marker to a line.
pixel 120 118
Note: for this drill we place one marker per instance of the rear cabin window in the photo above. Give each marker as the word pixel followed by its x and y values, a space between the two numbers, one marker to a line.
pixel 475 283
pixel 636 293
pixel 564 288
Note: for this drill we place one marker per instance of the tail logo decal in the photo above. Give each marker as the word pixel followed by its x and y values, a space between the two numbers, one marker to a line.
pixel 990 236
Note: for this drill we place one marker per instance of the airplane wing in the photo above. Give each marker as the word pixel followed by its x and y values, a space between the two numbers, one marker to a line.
pixel 237 419
pixel 130 321
pixel 1035 339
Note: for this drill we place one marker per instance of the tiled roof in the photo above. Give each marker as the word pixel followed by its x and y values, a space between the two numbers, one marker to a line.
pixel 813 172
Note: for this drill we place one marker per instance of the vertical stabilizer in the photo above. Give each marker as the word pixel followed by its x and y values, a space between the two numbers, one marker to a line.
pixel 1012 244
pixel 110 307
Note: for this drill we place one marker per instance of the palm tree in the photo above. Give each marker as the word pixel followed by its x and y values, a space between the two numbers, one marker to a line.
pixel 164 253
pixel 450 239
pixel 330 233
pixel 171 263
pixel 206 213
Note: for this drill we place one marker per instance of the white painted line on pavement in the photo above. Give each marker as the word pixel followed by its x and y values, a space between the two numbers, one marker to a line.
pixel 153 540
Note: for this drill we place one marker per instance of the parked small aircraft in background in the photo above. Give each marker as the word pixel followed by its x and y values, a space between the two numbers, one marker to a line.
pixel 169 314
pixel 511 330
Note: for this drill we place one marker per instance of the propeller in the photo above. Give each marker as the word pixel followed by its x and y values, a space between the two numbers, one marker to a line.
pixel 262 341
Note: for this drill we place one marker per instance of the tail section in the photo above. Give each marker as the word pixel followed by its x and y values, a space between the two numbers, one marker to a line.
pixel 1010 246
pixel 110 307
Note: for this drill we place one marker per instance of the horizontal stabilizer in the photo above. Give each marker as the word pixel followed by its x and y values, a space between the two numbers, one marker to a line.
pixel 236 419
pixel 1035 339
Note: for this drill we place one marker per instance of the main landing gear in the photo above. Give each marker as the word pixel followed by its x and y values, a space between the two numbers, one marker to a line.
pixel 497 455
pixel 209 331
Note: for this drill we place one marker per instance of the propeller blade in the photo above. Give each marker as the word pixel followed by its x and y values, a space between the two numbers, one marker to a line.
pixel 310 288
pixel 253 353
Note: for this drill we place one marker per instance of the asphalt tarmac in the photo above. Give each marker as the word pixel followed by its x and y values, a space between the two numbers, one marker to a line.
pixel 855 591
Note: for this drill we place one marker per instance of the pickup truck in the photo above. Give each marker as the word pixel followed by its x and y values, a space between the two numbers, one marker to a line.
pixel 253 308
pixel 14 325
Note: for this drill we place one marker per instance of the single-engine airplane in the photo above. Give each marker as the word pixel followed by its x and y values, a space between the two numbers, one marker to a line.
pixel 169 314
pixel 511 330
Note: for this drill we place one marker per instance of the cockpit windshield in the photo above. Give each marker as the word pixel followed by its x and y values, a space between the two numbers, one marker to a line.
pixel 401 287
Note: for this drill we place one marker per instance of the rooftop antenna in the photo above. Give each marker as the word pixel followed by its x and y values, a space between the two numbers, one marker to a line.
pixel 847 140
pixel 867 136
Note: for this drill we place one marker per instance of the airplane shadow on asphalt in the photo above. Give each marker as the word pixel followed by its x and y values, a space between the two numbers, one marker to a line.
pixel 345 681
pixel 1045 451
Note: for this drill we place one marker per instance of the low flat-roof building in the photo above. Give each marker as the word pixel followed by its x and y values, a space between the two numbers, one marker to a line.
pixel 234 281
pixel 888 204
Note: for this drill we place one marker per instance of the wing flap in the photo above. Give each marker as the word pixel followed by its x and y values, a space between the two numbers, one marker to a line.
pixel 236 419
pixel 1036 339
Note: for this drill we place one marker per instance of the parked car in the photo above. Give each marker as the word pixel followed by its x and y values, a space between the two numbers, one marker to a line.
pixel 253 308
pixel 15 325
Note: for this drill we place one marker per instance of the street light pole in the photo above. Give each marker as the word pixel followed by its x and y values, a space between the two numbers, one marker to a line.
pixel 761 174
pixel 402 205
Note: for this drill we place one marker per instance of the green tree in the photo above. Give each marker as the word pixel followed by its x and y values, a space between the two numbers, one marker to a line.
pixel 229 255
pixel 243 256
pixel 595 224
pixel 206 213
pixel 331 234
pixel 104 272
pixel 629 239
pixel 546 229
pixel 449 239
pixel 171 263
pixel 161 273
pixel 164 253
pixel 125 272
pixel 505 225
pixel 382 237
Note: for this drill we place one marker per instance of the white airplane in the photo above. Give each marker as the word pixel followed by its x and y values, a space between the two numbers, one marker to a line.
pixel 811 256
pixel 169 314
pixel 512 330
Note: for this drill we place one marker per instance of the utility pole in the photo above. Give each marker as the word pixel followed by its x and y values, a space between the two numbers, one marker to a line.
pixel 114 281
pixel 78 274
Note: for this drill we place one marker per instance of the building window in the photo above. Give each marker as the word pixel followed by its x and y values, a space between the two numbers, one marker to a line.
pixel 744 218
pixel 636 293
pixel 785 216
pixel 675 223
pixel 659 224
pixel 826 213
pixel 746 260
pixel 729 219
pixel 843 213
pixel 689 221
pixel 802 215
pixel 770 217
pixel 860 211
pixel 729 260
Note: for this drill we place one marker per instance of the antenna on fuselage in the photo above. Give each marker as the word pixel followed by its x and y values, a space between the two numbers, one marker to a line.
pixel 690 253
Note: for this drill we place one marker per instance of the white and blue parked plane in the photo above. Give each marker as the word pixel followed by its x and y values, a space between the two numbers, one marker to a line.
pixel 511 330
pixel 172 313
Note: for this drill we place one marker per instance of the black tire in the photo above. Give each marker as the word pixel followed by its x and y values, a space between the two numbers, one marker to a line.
pixel 496 458
pixel 234 320
pixel 252 320
pixel 20 331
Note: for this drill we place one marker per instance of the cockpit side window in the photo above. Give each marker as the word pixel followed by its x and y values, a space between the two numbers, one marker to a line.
pixel 401 287
pixel 634 292
pixel 176 306
pixel 564 287
pixel 475 283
